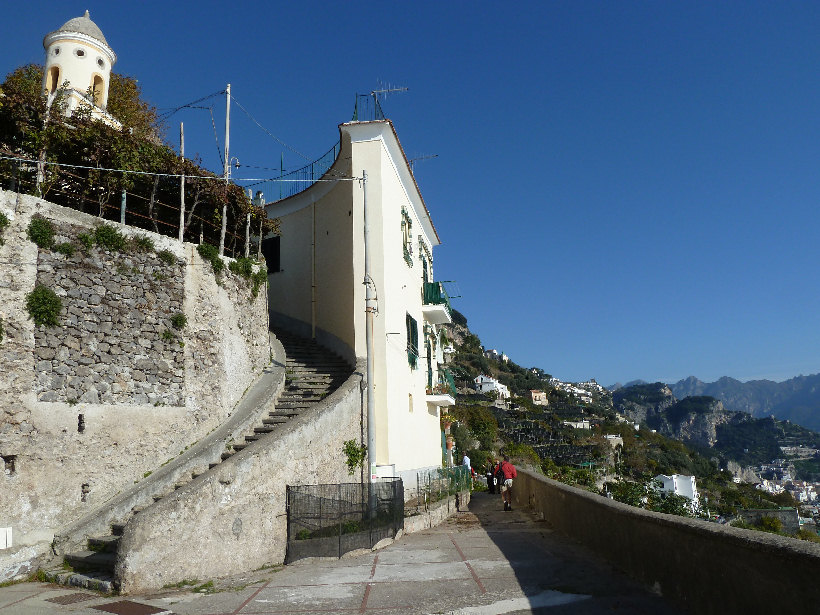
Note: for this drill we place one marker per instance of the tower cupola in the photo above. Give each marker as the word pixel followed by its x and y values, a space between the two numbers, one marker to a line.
pixel 78 53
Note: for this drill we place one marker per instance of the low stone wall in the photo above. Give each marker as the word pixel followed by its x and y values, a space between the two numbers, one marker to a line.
pixel 437 513
pixel 704 567
pixel 233 519
pixel 91 407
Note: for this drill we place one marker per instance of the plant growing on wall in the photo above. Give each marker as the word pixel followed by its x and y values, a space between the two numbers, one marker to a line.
pixel 4 222
pixel 211 254
pixel 109 238
pixel 44 306
pixel 356 455
pixel 178 321
pixel 41 232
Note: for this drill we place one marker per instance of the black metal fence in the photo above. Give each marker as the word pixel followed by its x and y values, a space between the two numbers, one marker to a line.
pixel 435 485
pixel 330 520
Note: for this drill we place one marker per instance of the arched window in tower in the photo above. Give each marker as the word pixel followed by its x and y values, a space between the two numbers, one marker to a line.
pixel 53 79
pixel 97 90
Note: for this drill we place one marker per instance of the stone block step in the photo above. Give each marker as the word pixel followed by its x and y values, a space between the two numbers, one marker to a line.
pixel 104 544
pixel 226 454
pixel 283 414
pixel 138 509
pixel 91 560
pixel 265 428
pixel 240 446
pixel 275 420
pixel 102 583
pixel 212 465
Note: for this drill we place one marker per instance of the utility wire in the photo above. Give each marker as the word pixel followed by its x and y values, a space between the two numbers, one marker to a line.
pixel 235 179
pixel 268 132
pixel 191 104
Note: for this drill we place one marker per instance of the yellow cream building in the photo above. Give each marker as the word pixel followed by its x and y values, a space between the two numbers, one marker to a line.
pixel 317 288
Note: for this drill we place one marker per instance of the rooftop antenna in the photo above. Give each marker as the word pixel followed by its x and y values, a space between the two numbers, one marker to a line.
pixel 412 161
pixel 385 89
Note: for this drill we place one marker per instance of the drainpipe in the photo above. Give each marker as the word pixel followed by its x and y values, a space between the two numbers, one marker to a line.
pixel 370 310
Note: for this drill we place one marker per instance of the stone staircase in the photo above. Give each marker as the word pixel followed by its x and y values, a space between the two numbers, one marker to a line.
pixel 312 374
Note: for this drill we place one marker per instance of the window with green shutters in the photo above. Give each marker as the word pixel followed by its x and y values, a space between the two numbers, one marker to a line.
pixel 412 341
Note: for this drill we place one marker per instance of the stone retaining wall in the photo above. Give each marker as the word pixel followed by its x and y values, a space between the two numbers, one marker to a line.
pixel 705 567
pixel 95 405
pixel 112 347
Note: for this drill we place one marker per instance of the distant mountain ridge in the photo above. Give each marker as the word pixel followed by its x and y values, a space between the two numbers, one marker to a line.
pixel 703 423
pixel 796 400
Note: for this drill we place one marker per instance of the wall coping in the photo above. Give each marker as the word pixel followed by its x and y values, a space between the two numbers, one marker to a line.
pixel 705 567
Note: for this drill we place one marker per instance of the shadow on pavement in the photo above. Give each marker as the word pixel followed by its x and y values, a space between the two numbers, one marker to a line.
pixel 553 575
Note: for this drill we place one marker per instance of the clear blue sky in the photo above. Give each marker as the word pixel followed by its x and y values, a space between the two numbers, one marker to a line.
pixel 623 189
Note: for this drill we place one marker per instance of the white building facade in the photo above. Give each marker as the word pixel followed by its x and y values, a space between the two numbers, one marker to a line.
pixel 680 484
pixel 318 290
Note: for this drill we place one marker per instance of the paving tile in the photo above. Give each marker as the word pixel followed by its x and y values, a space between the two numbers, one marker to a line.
pixel 421 573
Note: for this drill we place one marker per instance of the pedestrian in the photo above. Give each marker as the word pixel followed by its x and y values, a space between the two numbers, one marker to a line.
pixel 465 461
pixel 490 473
pixel 508 472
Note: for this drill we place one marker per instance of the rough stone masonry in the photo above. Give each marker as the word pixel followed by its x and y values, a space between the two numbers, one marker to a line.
pixel 116 344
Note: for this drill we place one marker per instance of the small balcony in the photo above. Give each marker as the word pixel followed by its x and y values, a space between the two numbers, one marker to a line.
pixel 443 392
pixel 436 304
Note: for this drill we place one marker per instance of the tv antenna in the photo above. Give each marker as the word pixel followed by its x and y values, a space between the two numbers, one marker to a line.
pixel 384 92
pixel 412 161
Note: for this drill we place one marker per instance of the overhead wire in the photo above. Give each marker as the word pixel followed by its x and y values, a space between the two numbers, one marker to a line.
pixel 268 132
pixel 154 174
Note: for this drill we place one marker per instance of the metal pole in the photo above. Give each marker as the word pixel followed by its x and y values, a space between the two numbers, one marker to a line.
pixel 181 182
pixel 122 208
pixel 370 309
pixel 227 169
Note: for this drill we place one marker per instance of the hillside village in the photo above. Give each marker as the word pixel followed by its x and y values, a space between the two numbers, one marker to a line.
pixel 581 434
pixel 215 374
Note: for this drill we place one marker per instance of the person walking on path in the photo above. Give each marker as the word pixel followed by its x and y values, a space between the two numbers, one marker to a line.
pixel 490 475
pixel 508 473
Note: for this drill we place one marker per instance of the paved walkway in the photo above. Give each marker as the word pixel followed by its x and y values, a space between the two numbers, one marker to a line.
pixel 480 562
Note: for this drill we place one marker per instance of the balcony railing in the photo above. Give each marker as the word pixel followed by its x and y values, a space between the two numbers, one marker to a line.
pixel 436 303
pixel 443 392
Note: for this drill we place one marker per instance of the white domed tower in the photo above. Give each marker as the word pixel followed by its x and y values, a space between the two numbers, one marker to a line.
pixel 78 53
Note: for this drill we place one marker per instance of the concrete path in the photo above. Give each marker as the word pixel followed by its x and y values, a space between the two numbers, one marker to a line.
pixel 481 562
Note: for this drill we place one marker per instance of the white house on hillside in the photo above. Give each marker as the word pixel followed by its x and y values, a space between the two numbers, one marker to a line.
pixel 316 287
pixel 78 56
pixel 680 484
pixel 485 384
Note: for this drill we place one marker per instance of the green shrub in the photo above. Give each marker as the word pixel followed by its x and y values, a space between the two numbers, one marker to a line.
pixel 167 257
pixel 41 232
pixel 142 243
pixel 109 238
pixel 65 248
pixel 207 251
pixel 86 241
pixel 178 321
pixel 44 306
pixel 770 524
pixel 167 335
pixel 259 278
pixel 242 267
pixel 4 222
pixel 211 254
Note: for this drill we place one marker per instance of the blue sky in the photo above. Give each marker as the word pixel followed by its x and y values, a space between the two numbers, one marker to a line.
pixel 623 190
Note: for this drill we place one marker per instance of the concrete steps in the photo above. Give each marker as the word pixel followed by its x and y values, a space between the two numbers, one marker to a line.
pixel 313 373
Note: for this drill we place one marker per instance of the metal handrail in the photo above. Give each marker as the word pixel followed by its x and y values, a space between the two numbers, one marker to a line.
pixel 294 182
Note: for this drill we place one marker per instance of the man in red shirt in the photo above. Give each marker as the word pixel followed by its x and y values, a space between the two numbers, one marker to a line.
pixel 509 473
